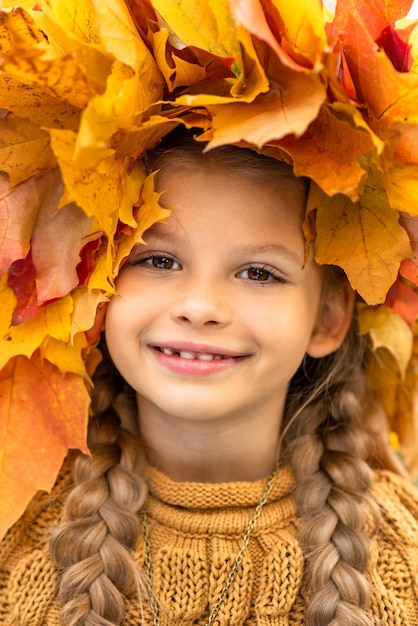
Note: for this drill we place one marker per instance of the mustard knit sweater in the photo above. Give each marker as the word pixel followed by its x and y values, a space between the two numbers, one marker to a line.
pixel 195 532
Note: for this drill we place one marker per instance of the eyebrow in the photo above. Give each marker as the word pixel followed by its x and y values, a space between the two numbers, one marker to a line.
pixel 274 248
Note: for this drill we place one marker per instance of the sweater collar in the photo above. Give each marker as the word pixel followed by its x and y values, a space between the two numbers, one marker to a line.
pixel 225 508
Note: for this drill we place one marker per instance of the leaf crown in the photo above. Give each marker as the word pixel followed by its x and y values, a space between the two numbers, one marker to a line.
pixel 87 88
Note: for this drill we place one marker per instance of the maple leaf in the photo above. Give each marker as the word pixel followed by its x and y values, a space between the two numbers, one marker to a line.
pixel 87 313
pixel 52 320
pixel 205 24
pixel 62 232
pixel 113 78
pixel 387 330
pixel 124 101
pixel 133 141
pixel 60 77
pixel 363 237
pixel 409 267
pixel 399 399
pixel 20 140
pixel 71 28
pixel 95 190
pixel 67 357
pixel 398 51
pixel 302 30
pixel 375 19
pixel 21 278
pixel 43 414
pixel 343 145
pixel 403 299
pixel 52 82
pixel 150 212
pixel 401 180
pixel 19 208
pixel 270 117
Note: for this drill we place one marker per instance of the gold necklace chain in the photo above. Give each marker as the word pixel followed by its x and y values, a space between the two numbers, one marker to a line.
pixel 234 569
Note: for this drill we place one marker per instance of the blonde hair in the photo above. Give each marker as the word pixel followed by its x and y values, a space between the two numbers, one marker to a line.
pixel 99 529
pixel 322 438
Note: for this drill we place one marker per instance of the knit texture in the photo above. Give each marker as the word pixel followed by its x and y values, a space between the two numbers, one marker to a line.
pixel 196 531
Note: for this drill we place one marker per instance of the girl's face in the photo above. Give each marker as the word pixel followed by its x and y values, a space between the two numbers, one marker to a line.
pixel 216 312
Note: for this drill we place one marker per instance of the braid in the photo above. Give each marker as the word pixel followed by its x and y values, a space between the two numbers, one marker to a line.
pixel 100 527
pixel 327 447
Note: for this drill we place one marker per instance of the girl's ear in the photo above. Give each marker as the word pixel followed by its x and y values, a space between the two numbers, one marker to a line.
pixel 333 322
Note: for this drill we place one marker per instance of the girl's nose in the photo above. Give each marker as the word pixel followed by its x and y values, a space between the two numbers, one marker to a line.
pixel 202 304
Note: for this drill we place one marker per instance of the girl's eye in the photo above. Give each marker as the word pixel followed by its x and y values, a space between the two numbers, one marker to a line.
pixel 159 262
pixel 260 275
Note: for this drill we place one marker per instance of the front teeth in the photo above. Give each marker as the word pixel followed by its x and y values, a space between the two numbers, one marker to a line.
pixel 184 354
pixel 187 355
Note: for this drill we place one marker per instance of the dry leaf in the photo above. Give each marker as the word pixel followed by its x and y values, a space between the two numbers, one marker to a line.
pixel 19 209
pixel 388 330
pixel 38 406
pixel 20 142
pixel 364 238
pixel 343 145
pixel 53 320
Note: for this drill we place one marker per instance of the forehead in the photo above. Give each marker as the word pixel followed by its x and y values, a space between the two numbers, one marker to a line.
pixel 249 186
pixel 213 206
pixel 238 162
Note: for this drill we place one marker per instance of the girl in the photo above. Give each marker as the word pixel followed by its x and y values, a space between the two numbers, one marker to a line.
pixel 228 481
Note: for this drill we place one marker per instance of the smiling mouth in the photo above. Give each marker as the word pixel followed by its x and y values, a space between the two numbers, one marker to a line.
pixel 192 356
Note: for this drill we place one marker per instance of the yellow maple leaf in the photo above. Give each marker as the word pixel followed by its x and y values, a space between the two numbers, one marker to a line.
pixel 53 320
pixel 8 303
pixel 132 141
pixel 398 397
pixel 149 213
pixel 304 28
pixel 101 277
pixel 252 16
pixel 401 180
pixel 95 190
pixel 121 105
pixel 387 330
pixel 205 24
pixel 85 305
pixel 61 78
pixel 72 18
pixel 66 356
pixel 20 140
pixel 176 71
pixel 70 28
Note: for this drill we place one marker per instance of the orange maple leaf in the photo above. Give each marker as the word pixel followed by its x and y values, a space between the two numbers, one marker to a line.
pixel 363 237
pixel 43 414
